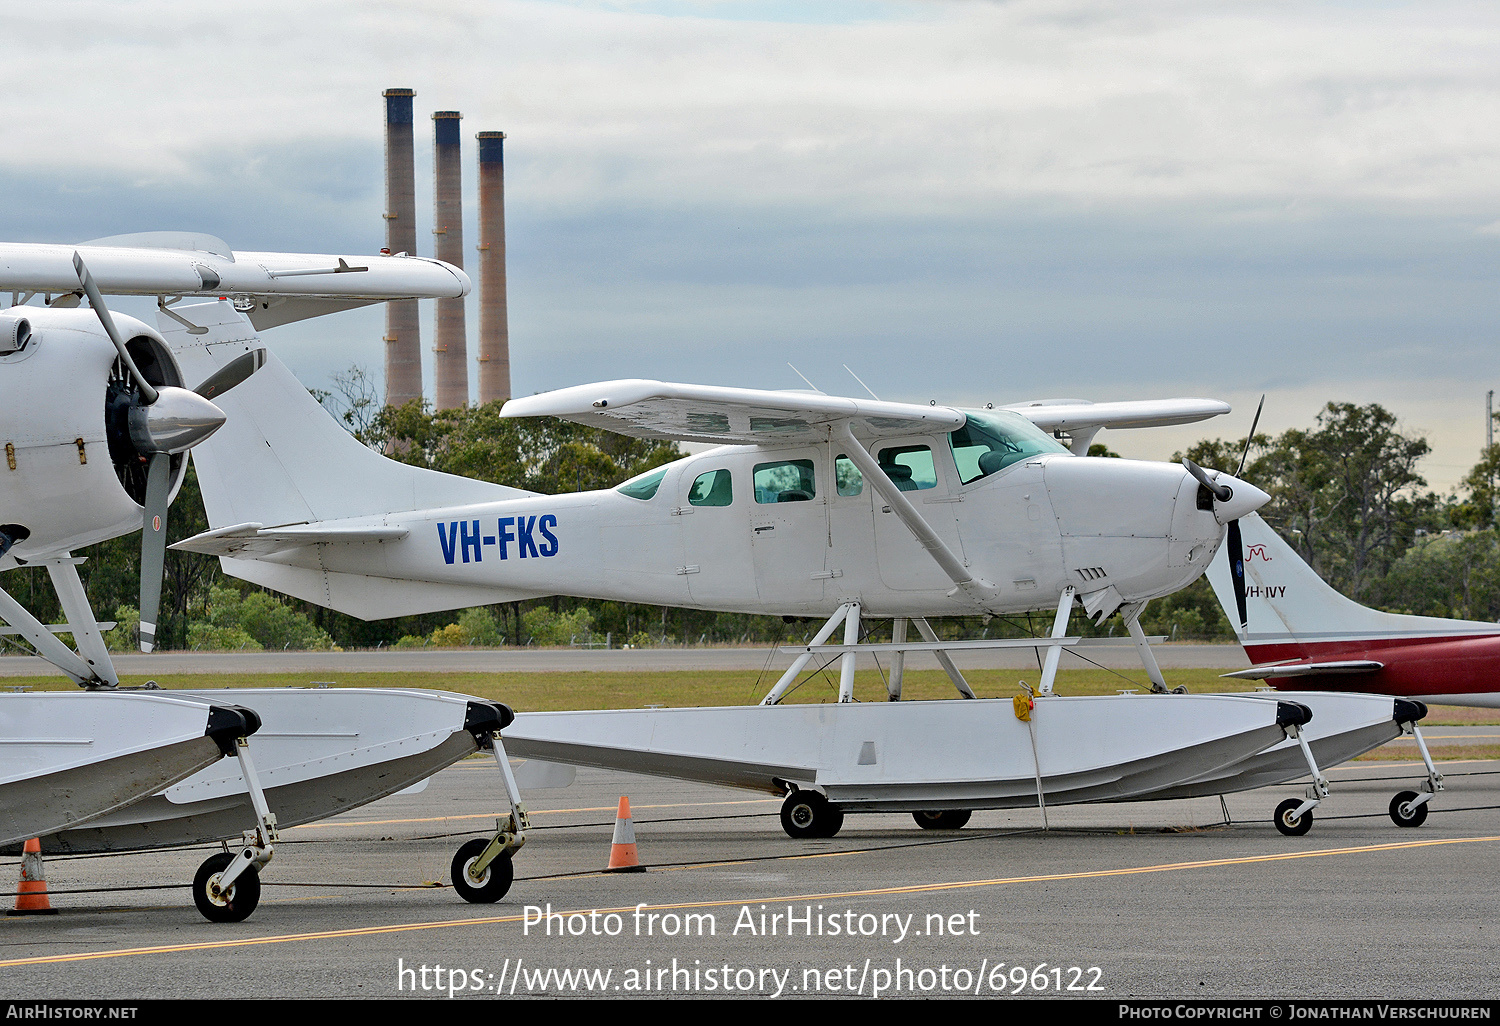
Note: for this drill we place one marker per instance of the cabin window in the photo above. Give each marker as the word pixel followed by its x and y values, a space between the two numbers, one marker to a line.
pixel 786 481
pixel 909 466
pixel 714 488
pixel 991 441
pixel 847 476
pixel 645 486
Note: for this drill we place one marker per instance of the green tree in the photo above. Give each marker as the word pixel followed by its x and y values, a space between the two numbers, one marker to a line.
pixel 1455 575
pixel 1346 494
pixel 1477 509
pixel 539 454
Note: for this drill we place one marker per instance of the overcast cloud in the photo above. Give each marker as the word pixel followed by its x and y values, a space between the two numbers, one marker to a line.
pixel 963 201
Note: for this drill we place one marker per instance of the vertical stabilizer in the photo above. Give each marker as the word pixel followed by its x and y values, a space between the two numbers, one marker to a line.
pixel 281 458
pixel 1290 607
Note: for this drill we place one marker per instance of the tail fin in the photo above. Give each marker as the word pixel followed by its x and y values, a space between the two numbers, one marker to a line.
pixel 1290 607
pixel 281 458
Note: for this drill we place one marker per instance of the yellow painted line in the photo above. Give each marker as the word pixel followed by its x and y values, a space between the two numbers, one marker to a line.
pixel 531 812
pixel 372 931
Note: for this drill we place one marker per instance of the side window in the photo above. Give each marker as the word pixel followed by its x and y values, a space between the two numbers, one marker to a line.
pixel 715 488
pixel 847 476
pixel 910 466
pixel 787 481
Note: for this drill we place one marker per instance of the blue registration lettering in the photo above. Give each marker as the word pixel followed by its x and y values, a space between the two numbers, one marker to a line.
pixel 448 539
pixel 524 541
pixel 549 546
pixel 506 535
pixel 470 541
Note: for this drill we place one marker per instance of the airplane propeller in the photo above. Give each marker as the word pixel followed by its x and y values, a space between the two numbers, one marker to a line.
pixel 162 421
pixel 1224 493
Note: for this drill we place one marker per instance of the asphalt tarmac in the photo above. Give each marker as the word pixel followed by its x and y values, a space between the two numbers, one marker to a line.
pixel 1148 900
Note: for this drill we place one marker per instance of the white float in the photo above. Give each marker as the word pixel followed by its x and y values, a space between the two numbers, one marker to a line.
pixel 70 758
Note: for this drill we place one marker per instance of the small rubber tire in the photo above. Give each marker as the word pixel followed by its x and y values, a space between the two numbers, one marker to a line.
pixel 807 814
pixel 947 819
pixel 233 907
pixel 497 877
pixel 833 821
pixel 1293 827
pixel 1418 815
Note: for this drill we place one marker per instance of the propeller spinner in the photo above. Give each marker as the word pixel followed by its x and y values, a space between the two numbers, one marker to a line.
pixel 1223 494
pixel 161 421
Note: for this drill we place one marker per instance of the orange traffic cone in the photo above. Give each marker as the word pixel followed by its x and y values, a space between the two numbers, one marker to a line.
pixel 31 896
pixel 622 854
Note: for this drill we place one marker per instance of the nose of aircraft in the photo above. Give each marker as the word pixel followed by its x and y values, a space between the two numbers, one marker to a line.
pixel 1244 498
pixel 1232 498
pixel 1146 529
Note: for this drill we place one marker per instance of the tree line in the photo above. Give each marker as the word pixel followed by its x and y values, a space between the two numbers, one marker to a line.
pixel 1346 493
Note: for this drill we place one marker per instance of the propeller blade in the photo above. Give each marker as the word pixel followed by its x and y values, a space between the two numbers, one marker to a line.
pixel 231 374
pixel 1237 573
pixel 154 544
pixel 1221 492
pixel 1251 436
pixel 96 300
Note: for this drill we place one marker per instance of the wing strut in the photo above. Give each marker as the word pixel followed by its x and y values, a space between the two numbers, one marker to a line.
pixel 980 591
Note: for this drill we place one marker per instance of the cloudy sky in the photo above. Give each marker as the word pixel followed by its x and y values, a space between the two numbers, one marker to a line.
pixel 963 201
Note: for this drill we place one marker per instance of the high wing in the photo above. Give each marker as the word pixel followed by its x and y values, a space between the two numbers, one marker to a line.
pixel 269 288
pixel 1082 420
pixel 1075 415
pixel 728 416
pixel 707 413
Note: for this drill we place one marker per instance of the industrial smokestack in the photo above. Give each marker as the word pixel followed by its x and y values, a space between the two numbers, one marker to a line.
pixel 451 363
pixel 494 328
pixel 403 342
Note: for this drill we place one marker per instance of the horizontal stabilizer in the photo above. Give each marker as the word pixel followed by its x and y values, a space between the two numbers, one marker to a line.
pixel 1306 669
pixel 257 540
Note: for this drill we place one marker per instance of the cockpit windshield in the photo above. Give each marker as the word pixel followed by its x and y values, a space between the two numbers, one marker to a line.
pixel 993 440
pixel 643 486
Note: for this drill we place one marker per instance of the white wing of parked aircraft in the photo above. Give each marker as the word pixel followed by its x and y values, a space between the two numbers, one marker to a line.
pixel 707 413
pixel 269 288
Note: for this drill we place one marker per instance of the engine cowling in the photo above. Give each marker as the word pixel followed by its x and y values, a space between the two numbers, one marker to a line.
pixel 73 473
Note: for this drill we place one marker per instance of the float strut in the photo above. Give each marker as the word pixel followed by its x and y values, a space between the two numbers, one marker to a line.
pixel 928 634
pixel 898 659
pixel 847 660
pixel 824 633
pixel 1131 614
pixel 1054 652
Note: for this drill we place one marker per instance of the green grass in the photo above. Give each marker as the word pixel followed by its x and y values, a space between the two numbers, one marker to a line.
pixel 675 688
pixel 549 691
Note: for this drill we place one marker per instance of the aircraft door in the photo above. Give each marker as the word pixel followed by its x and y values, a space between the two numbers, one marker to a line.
pixel 789 529
pixel 920 468
pixel 711 514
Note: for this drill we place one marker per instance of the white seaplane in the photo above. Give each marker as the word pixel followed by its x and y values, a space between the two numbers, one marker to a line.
pixel 810 503
pixel 96 425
